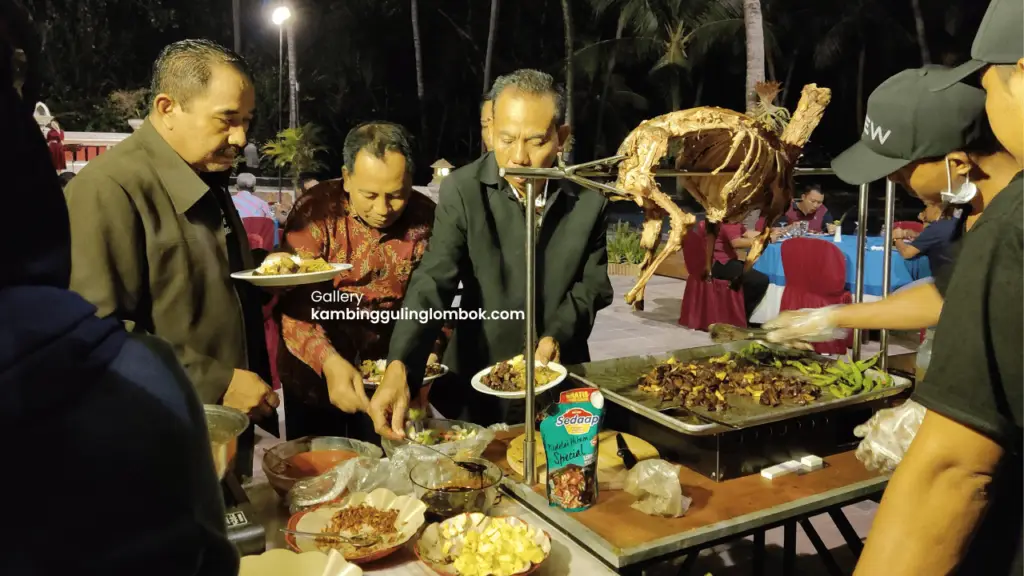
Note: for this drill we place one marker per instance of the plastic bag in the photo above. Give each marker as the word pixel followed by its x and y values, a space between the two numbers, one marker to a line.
pixel 655 483
pixel 887 435
pixel 805 325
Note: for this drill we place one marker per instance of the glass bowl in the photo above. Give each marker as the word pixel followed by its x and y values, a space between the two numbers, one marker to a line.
pixel 449 490
pixel 469 448
pixel 311 456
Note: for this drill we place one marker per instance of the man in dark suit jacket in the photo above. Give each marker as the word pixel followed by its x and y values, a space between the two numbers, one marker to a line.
pixel 478 239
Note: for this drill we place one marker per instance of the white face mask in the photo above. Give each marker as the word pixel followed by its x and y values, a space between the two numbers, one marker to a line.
pixel 964 194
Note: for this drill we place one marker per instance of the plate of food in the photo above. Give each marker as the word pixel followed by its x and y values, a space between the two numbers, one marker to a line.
pixel 373 371
pixel 452 437
pixel 507 379
pixel 290 270
pixel 380 517
pixel 475 544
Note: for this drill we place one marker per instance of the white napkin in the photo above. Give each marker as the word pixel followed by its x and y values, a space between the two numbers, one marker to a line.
pixel 877 248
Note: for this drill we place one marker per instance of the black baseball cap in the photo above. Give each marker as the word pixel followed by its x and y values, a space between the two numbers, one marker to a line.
pixel 1000 40
pixel 906 121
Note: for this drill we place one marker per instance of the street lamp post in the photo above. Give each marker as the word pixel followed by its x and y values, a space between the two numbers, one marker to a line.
pixel 280 15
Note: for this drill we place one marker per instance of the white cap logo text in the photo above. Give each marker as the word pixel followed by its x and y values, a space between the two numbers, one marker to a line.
pixel 874 131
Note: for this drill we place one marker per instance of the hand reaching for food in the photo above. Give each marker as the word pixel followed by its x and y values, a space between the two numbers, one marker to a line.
pixel 796 327
pixel 389 406
pixel 547 351
pixel 248 393
pixel 345 385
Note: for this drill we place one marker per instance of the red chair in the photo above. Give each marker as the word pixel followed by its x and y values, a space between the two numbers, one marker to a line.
pixel 706 303
pixel 261 236
pixel 908 225
pixel 262 227
pixel 815 277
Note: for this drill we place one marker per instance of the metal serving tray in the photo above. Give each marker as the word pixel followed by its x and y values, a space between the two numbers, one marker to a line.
pixel 617 380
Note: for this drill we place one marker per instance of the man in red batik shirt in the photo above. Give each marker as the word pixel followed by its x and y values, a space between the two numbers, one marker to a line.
pixel 370 218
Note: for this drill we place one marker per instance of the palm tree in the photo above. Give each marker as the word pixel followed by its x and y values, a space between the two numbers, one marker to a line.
pixel 922 40
pixel 754 27
pixel 420 90
pixel 492 32
pixel 855 25
pixel 567 24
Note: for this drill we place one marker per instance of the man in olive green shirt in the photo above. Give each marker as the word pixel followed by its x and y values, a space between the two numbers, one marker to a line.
pixel 478 238
pixel 155 235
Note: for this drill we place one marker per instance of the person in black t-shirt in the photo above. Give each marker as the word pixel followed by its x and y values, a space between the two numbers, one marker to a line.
pixel 956 160
pixel 954 503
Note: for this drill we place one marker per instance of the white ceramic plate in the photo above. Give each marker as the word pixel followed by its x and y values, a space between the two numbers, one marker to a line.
pixel 291 279
pixel 280 561
pixel 410 520
pixel 479 386
pixel 381 364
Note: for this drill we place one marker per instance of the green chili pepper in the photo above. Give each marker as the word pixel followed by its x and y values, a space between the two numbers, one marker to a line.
pixel 868 363
pixel 836 391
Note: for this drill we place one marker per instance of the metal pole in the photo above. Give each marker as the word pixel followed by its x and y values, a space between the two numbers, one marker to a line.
pixel 280 101
pixel 862 230
pixel 890 199
pixel 531 333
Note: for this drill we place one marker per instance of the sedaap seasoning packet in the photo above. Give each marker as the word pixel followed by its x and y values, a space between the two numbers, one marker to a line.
pixel 570 440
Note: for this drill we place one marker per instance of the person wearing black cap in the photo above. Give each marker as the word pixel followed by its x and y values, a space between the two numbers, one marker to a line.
pixel 110 469
pixel 954 504
pixel 956 161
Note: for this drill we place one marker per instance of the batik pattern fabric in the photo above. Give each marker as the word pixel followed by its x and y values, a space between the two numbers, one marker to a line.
pixel 382 262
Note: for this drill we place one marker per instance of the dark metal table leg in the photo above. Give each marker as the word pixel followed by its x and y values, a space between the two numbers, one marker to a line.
pixel 849 534
pixel 687 565
pixel 821 549
pixel 788 548
pixel 758 560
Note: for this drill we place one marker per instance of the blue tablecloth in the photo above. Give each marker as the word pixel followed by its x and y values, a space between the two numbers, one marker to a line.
pixel 903 271
pixel 276 226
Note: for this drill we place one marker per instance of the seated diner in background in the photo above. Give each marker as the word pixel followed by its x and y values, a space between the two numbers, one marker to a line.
pixel 809 208
pixel 727 264
pixel 935 241
pixel 370 218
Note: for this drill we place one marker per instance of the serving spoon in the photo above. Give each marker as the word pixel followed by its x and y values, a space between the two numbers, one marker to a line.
pixel 361 541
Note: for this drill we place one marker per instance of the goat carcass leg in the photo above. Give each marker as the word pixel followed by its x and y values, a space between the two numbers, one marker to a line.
pixel 678 221
pixel 649 241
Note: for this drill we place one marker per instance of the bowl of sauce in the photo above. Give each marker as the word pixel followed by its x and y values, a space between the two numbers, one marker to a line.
pixel 311 456
pixel 449 489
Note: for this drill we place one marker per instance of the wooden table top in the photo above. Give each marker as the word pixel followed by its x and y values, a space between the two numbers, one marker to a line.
pixel 718 509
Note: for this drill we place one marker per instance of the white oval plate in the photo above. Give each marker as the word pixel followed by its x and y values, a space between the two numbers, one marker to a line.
pixel 291 279
pixel 479 386
pixel 444 370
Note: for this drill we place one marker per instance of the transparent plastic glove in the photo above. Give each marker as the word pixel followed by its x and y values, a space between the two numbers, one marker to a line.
pixel 887 435
pixel 655 483
pixel 806 325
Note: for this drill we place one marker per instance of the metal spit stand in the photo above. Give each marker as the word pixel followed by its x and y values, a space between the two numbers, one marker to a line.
pixel 862 231
pixel 581 174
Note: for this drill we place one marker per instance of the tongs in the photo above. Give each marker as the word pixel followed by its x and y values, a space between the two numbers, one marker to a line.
pixel 360 541
pixel 722 333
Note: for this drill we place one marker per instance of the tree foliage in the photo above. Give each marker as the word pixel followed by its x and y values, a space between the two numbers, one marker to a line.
pixel 356 59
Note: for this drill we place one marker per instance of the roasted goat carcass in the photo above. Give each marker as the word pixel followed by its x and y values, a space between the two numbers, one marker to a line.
pixel 751 162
